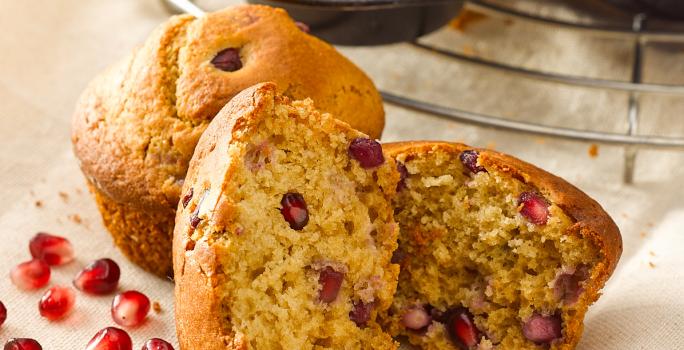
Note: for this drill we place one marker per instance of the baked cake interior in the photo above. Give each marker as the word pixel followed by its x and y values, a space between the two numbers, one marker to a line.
pixel 305 256
pixel 485 259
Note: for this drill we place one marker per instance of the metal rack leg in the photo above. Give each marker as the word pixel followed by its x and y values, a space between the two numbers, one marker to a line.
pixel 638 24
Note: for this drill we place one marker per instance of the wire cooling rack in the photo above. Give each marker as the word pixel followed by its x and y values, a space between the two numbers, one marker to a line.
pixel 637 33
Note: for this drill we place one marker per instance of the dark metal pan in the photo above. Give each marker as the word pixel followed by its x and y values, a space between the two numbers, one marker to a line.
pixel 672 9
pixel 369 22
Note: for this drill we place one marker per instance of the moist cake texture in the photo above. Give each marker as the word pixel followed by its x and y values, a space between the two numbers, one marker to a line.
pixel 285 231
pixel 494 253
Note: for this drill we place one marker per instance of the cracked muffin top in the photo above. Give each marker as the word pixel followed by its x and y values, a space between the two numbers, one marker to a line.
pixel 137 124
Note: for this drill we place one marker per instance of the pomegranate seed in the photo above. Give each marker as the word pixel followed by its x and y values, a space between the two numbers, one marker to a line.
pixel 403 175
pixel 367 152
pixel 568 285
pixel 227 60
pixel 469 160
pixel 54 250
pixel 361 313
pixel 22 344
pixel 32 274
pixel 57 302
pixel 330 281
pixel 534 208
pixel 542 329
pixel 294 210
pixel 462 329
pixel 399 256
pixel 110 338
pixel 188 197
pixel 303 27
pixel 157 344
pixel 3 313
pixel 100 277
pixel 416 318
pixel 130 308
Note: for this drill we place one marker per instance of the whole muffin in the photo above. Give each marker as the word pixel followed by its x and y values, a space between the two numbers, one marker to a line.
pixel 284 236
pixel 495 253
pixel 136 125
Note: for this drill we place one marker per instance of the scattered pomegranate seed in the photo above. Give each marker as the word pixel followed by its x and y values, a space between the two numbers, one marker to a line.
pixel 54 250
pixel 157 344
pixel 3 313
pixel 542 329
pixel 361 313
pixel 22 344
pixel 416 318
pixel 57 302
pixel 32 274
pixel 100 277
pixel 303 27
pixel 330 281
pixel 367 152
pixel 534 208
pixel 227 60
pixel 403 175
pixel 462 329
pixel 130 308
pixel 188 197
pixel 469 160
pixel 294 210
pixel 110 338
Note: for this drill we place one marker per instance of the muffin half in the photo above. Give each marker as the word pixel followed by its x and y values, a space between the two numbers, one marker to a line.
pixel 285 232
pixel 494 252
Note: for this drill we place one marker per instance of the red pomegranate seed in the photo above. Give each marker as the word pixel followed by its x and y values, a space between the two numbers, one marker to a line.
pixel 157 344
pixel 32 274
pixel 567 286
pixel 462 329
pixel 361 313
pixel 22 344
pixel 188 197
pixel 330 281
pixel 227 60
pixel 57 302
pixel 100 277
pixel 403 175
pixel 469 160
pixel 416 318
pixel 3 313
pixel 294 210
pixel 130 308
pixel 367 152
pixel 534 208
pixel 110 338
pixel 54 250
pixel 542 329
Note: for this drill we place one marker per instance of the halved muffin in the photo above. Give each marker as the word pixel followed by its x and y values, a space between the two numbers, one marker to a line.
pixel 494 252
pixel 285 231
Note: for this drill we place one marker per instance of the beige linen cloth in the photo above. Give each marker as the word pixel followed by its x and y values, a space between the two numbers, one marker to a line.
pixel 49 50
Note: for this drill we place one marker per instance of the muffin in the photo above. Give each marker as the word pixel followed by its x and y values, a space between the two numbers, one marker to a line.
pixel 494 252
pixel 136 125
pixel 285 231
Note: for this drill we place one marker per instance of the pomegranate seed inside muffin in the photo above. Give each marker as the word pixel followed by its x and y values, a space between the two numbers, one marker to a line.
pixel 293 208
pixel 330 281
pixel 227 60
pixel 462 330
pixel 367 152
pixel 469 160
pixel 534 208
pixel 542 329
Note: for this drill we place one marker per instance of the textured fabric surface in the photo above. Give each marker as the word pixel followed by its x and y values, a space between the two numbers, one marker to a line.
pixel 52 49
